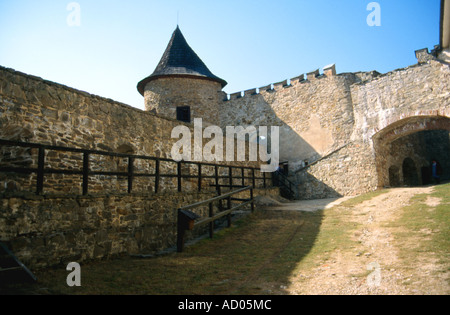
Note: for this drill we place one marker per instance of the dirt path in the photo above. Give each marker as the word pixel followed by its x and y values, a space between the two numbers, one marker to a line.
pixel 376 267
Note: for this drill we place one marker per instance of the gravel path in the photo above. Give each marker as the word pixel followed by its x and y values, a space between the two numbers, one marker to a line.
pixel 377 257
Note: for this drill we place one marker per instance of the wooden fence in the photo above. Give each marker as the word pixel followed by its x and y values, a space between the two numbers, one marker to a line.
pixel 232 175
pixel 187 219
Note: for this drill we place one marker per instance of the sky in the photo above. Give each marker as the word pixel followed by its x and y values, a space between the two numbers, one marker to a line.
pixel 105 47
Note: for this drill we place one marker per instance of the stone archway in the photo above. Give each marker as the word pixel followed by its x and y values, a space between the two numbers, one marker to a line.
pixel 417 138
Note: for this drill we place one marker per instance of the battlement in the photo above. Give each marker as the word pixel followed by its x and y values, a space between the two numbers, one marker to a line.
pixel 328 71
pixel 422 55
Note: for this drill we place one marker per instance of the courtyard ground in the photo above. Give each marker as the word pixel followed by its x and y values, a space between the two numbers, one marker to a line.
pixel 390 242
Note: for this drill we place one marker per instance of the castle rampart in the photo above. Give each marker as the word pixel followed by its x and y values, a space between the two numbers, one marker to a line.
pixel 61 225
pixel 336 115
pixel 313 110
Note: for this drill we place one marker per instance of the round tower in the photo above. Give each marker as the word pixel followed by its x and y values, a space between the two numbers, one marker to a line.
pixel 182 87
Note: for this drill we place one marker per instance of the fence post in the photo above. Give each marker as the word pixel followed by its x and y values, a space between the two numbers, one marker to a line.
pixel 216 174
pixel 157 167
pixel 130 174
pixel 251 197
pixel 179 176
pixel 40 172
pixel 211 224
pixel 85 173
pixel 230 174
pixel 229 207
pixel 253 178
pixel 199 177
pixel 180 233
pixel 243 176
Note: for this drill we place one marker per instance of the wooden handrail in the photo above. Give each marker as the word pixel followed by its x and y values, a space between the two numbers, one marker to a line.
pixel 186 219
pixel 131 173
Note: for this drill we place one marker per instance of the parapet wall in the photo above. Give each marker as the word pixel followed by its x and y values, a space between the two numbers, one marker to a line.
pixel 39 111
pixel 314 112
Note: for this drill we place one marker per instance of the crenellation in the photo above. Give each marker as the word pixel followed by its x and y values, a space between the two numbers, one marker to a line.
pixel 311 76
pixel 330 70
pixel 235 96
pixel 298 79
pixel 266 88
pixel 423 55
pixel 279 85
pixel 250 92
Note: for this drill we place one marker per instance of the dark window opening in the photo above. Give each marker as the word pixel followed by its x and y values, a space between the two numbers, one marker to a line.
pixel 184 114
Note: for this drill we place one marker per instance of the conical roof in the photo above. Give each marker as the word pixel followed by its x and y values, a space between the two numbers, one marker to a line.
pixel 180 60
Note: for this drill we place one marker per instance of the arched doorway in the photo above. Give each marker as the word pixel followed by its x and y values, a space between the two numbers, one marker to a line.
pixel 410 175
pixel 410 144
pixel 394 176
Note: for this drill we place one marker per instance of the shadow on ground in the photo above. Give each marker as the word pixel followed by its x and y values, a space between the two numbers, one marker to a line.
pixel 257 256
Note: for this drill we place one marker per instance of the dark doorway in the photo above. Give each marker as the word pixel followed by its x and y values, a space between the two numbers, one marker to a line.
pixel 410 175
pixel 394 176
pixel 426 175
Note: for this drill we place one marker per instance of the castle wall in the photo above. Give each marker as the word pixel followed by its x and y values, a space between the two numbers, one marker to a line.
pixel 419 90
pixel 39 111
pixel 316 119
pixel 315 115
pixel 46 231
pixel 329 120
pixel 379 103
pixel 445 55
pixel 61 224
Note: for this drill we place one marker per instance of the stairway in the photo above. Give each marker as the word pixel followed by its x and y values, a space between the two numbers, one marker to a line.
pixel 288 189
pixel 12 271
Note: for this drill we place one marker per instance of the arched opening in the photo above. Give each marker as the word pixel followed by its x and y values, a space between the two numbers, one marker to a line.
pixel 404 150
pixel 410 175
pixel 394 176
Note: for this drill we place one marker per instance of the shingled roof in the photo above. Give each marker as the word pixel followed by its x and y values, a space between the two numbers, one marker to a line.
pixel 180 60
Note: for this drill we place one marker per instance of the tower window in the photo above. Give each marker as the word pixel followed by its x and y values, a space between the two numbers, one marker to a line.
pixel 184 114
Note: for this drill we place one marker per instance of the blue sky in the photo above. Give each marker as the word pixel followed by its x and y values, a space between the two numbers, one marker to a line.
pixel 248 43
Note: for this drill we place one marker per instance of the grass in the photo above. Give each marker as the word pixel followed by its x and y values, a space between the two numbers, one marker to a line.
pixel 424 229
pixel 260 254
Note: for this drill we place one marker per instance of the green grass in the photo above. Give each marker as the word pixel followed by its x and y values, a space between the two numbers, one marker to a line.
pixel 424 229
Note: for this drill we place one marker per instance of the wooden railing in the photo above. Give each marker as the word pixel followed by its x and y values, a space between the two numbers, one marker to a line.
pixel 187 219
pixel 131 174
pixel 281 180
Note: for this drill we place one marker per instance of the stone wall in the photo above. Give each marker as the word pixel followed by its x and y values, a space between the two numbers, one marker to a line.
pixel 43 112
pixel 61 225
pixel 348 171
pixel 315 113
pixel 49 230
pixel 329 120
pixel 419 90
